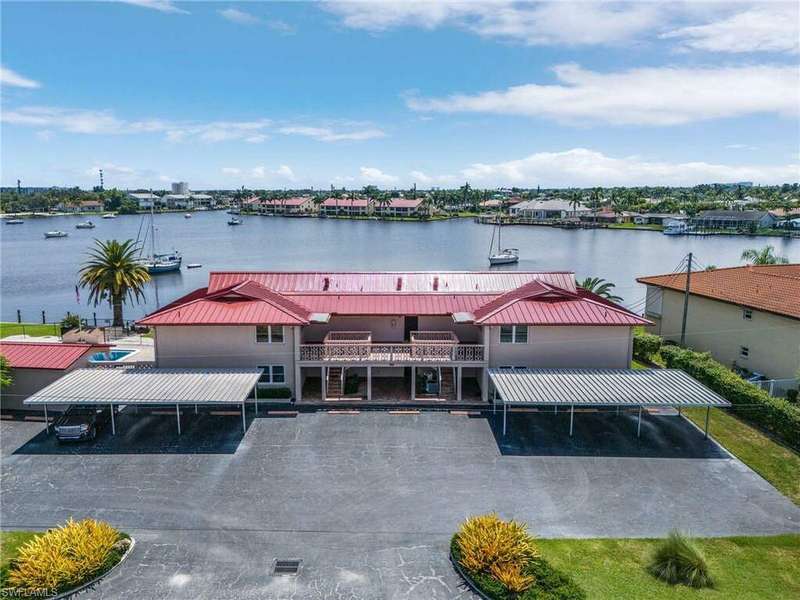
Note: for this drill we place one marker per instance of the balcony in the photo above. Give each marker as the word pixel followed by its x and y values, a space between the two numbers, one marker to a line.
pixel 426 347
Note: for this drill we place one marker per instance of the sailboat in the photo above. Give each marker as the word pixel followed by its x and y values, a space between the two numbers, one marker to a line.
pixel 157 262
pixel 503 256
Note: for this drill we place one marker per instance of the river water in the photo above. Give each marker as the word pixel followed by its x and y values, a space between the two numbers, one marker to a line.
pixel 38 274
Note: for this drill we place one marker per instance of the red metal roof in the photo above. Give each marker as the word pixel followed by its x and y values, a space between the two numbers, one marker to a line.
pixel 404 203
pixel 388 282
pixel 44 355
pixel 299 201
pixel 562 311
pixel 392 304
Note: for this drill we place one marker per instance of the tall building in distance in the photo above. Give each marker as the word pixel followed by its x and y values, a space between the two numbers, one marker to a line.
pixel 180 187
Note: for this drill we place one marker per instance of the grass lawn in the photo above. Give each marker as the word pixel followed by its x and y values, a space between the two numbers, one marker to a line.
pixel 10 542
pixel 634 226
pixel 35 329
pixel 775 463
pixel 745 568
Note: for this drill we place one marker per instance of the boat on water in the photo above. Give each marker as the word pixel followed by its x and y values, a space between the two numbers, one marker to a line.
pixel 235 221
pixel 85 225
pixel 55 234
pixel 193 266
pixel 158 262
pixel 14 221
pixel 187 216
pixel 502 256
pixel 676 228
pixel 234 211
pixel 109 216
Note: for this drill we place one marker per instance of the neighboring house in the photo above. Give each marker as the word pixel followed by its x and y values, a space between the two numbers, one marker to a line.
pixel 202 200
pixel 178 201
pixel 609 216
pixel 734 219
pixel 400 207
pixel 745 316
pixel 285 206
pixel 447 326
pixel 354 207
pixel 546 209
pixel 84 206
pixel 145 200
pixel 35 365
pixel 659 218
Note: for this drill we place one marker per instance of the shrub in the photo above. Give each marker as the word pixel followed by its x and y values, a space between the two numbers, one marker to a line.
pixel 274 393
pixel 677 560
pixel 65 557
pixel 791 396
pixel 646 345
pixel 486 541
pixel 776 415
pixel 70 322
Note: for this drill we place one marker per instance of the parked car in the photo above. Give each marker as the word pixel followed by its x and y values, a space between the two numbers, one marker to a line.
pixel 79 423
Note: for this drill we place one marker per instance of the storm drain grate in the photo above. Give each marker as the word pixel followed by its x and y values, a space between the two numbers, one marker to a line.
pixel 286 566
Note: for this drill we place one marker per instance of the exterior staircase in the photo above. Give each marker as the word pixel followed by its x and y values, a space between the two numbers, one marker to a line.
pixel 447 388
pixel 334 383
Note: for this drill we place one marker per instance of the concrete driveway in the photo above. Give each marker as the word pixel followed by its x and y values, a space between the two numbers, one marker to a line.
pixel 368 501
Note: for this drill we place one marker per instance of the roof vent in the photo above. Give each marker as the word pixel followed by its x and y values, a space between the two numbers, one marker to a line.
pixel 326 283
pixel 286 566
pixel 435 284
pixel 399 284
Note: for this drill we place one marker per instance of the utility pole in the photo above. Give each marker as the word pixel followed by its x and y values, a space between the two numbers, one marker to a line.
pixel 686 299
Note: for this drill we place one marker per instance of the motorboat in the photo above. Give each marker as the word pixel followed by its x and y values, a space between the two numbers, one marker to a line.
pixel 193 266
pixel 55 234
pixel 234 221
pixel 109 216
pixel 187 216
pixel 14 221
pixel 85 225
pixel 676 228
pixel 502 256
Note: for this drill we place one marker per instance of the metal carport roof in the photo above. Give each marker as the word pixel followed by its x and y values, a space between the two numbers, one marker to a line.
pixel 601 387
pixel 147 386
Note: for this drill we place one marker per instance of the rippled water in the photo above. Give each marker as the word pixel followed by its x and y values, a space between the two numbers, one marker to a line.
pixel 38 274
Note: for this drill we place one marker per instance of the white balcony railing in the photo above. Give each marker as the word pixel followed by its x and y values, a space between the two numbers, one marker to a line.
pixel 427 352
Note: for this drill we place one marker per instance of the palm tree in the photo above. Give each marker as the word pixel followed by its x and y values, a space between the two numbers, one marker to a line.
pixel 114 273
pixel 5 372
pixel 575 203
pixel 764 256
pixel 601 287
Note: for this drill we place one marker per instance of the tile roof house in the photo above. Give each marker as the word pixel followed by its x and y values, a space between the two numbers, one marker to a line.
pixel 733 219
pixel 347 206
pixel 745 316
pixel 308 330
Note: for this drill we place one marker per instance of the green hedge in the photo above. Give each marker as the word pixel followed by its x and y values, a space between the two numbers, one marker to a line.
pixel 274 393
pixel 550 584
pixel 646 345
pixel 751 403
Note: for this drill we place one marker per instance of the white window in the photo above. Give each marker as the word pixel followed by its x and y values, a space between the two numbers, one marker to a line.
pixel 513 334
pixel 744 352
pixel 272 374
pixel 747 314
pixel 269 334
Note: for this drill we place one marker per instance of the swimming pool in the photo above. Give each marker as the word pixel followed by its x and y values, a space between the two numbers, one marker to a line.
pixel 110 356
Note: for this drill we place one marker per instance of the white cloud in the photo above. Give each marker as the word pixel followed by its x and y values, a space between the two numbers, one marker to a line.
pixel 286 172
pixel 326 134
pixel 231 170
pixel 239 16
pixel 766 28
pixel 644 96
pixel 584 168
pixel 14 79
pixel 261 172
pixel 424 179
pixel 165 6
pixel 258 172
pixel 373 175
pixel 741 147
pixel 542 23
pixel 45 135
pixel 220 131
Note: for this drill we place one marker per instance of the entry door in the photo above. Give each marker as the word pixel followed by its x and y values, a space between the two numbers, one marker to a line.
pixel 411 324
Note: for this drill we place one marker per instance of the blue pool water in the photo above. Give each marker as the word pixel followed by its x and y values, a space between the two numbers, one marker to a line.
pixel 110 356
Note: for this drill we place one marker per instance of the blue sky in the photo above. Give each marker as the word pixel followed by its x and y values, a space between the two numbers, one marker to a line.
pixel 312 94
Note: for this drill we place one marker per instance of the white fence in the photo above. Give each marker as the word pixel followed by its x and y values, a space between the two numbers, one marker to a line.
pixel 777 387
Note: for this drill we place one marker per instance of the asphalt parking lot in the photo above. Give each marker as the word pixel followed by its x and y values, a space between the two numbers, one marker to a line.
pixel 368 501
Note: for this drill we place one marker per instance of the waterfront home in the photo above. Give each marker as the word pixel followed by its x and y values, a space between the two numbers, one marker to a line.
pixel 547 209
pixel 284 206
pixel 400 207
pixel 351 207
pixel 609 216
pixel 399 333
pixel 745 316
pixel 178 201
pixel 145 200
pixel 35 365
pixel 659 219
pixel 84 206
pixel 734 219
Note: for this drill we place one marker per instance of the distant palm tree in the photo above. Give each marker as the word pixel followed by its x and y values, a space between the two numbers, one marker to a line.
pixel 114 273
pixel 5 372
pixel 601 287
pixel 575 202
pixel 764 256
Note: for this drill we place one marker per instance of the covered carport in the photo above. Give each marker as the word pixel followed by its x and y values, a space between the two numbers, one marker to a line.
pixel 150 387
pixel 600 388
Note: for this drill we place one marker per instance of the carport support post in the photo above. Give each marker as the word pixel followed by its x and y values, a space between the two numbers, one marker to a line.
pixel 324 385
pixel 369 383
pixel 178 415
pixel 571 417
pixel 459 375
pixel 244 420
pixel 708 412
pixel 46 421
pixel 113 424
pixel 639 424
pixel 413 383
pixel 255 392
pixel 505 410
